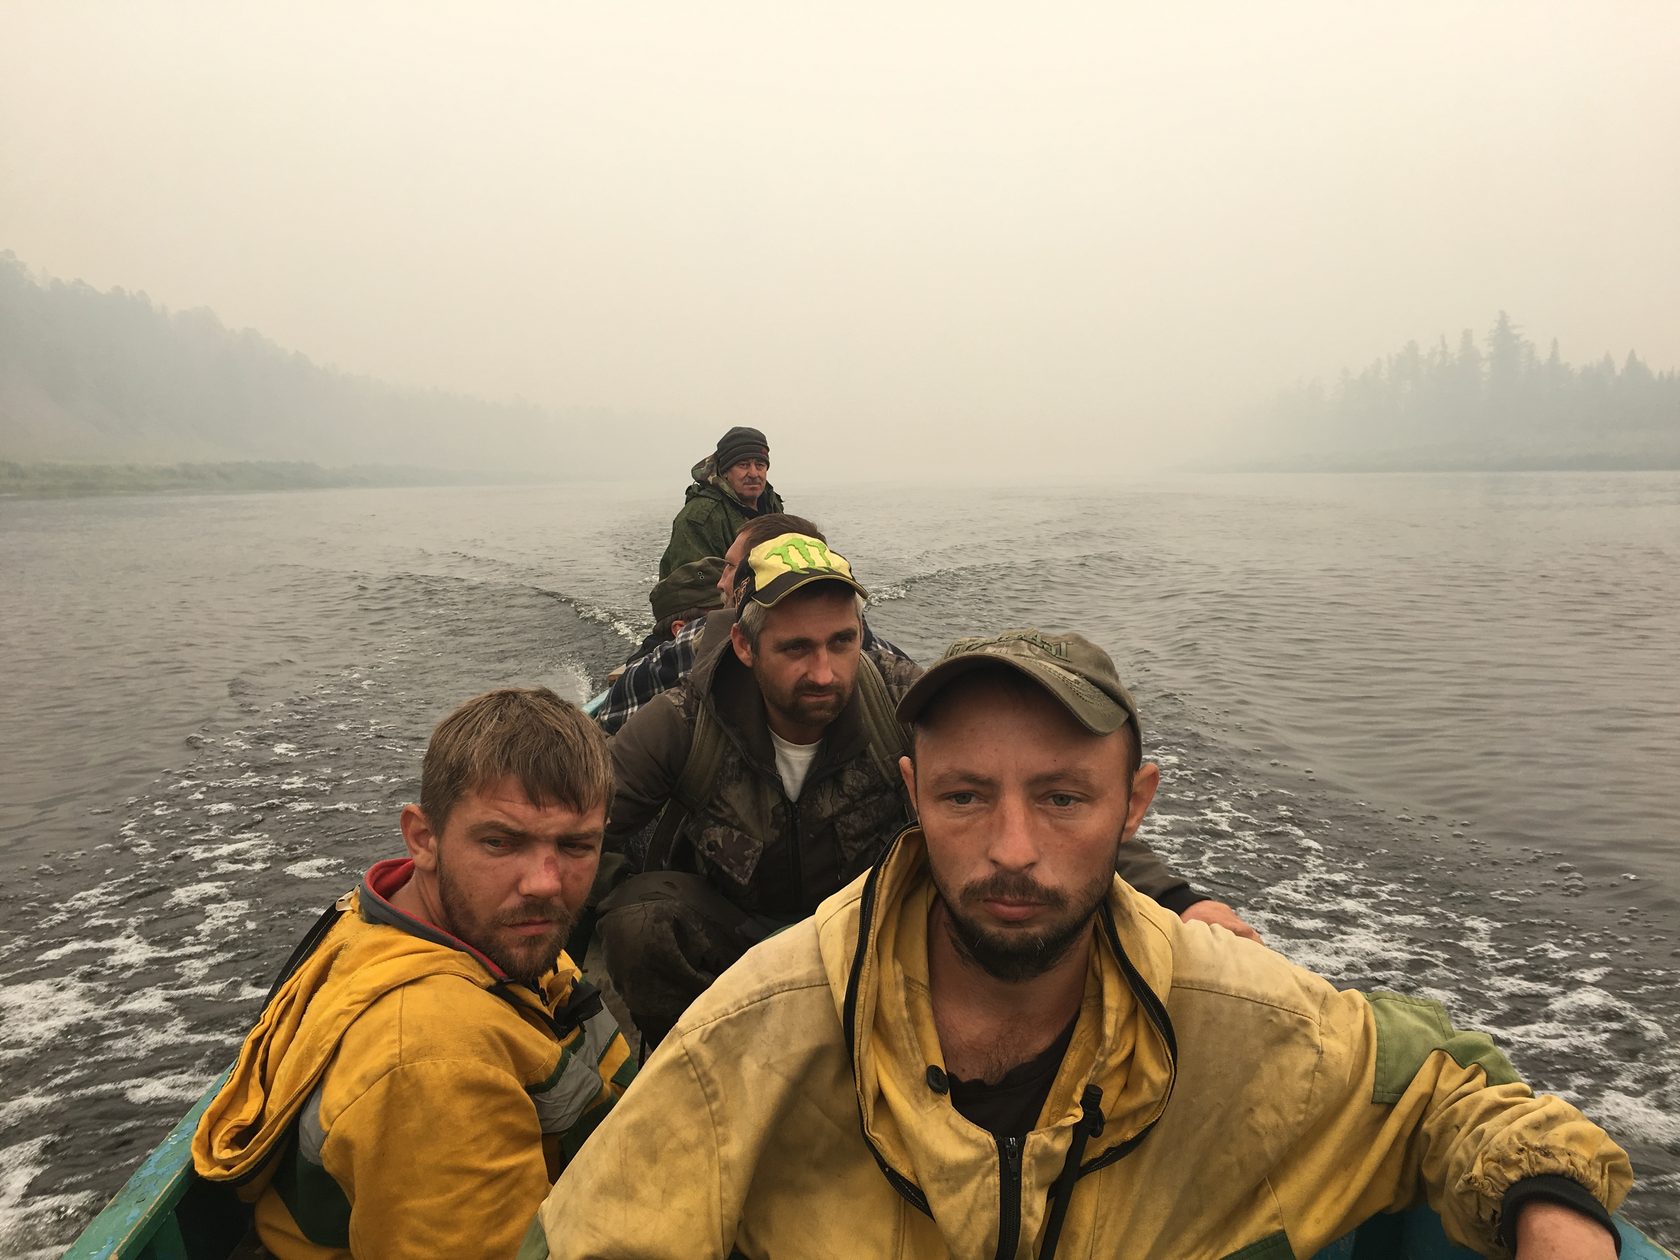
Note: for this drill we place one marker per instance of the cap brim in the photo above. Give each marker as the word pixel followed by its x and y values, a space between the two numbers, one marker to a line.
pixel 1101 718
pixel 786 584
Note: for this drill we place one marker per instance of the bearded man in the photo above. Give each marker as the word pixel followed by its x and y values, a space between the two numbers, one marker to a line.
pixel 991 1045
pixel 432 1058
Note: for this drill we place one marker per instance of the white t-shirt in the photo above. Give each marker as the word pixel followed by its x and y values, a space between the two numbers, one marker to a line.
pixel 793 763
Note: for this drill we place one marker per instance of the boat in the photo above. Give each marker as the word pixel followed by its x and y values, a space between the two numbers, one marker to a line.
pixel 166 1212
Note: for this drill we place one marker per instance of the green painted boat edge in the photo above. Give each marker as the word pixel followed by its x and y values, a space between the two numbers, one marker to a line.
pixel 141 1221
pixel 592 706
pixel 145 1207
pixel 1417 1234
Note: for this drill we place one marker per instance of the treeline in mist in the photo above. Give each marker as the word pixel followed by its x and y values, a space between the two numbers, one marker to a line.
pixel 108 376
pixel 42 479
pixel 1494 404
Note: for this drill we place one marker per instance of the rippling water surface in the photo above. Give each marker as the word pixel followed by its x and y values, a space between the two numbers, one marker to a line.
pixel 1422 729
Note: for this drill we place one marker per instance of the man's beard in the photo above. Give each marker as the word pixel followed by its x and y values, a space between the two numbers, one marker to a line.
pixel 1015 956
pixel 528 961
pixel 811 706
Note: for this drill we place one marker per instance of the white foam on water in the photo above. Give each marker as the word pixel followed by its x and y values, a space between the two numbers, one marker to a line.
pixel 38 1011
pixel 195 894
pixel 314 868
pixel 27 1218
pixel 285 750
pixel 1348 952
pixel 1637 1117
pixel 177 1087
pixel 131 950
pixel 84 946
pixel 590 612
pixel 243 845
pixel 572 679
pixel 15 1109
pixel 152 1001
pixel 221 916
pixel 220 807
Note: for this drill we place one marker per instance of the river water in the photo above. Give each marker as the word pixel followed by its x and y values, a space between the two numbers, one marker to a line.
pixel 1422 729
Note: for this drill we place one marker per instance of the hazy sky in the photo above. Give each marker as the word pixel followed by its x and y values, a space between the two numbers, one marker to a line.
pixel 1067 232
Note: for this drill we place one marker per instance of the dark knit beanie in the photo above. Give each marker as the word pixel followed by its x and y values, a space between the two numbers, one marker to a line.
pixel 741 443
pixel 690 588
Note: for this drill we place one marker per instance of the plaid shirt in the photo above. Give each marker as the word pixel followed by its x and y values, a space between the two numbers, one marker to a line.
pixel 667 665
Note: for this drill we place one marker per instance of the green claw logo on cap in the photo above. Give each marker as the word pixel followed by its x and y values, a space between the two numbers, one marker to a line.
pixel 789 561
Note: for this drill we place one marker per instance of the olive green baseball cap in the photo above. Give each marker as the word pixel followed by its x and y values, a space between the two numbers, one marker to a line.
pixel 1078 674
pixel 690 587
pixel 779 567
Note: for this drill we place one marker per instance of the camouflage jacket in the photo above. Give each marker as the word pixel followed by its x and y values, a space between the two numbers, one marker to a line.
pixel 710 518
pixel 767 854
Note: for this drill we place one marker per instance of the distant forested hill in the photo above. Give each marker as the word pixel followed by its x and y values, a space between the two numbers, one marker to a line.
pixel 1497 404
pixel 87 376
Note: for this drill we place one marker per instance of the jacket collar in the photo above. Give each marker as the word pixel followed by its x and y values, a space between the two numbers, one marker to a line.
pixel 1123 1040
pixel 709 481
pixel 382 881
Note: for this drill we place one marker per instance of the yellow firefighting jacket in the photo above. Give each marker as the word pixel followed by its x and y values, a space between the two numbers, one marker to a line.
pixel 400 1097
pixel 1215 1101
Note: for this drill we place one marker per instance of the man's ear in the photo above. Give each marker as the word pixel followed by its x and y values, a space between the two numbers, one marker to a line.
pixel 743 649
pixel 907 770
pixel 421 840
pixel 1144 784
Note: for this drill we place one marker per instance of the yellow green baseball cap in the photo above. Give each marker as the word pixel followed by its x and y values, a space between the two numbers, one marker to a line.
pixel 777 568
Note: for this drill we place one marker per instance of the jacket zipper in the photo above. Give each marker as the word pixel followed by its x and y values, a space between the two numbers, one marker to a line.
pixel 796 865
pixel 1009 1196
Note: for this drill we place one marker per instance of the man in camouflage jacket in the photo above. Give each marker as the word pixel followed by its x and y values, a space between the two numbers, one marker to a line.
pixel 800 793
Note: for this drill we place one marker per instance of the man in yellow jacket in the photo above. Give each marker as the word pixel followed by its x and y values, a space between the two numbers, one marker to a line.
pixel 420 1077
pixel 991 1046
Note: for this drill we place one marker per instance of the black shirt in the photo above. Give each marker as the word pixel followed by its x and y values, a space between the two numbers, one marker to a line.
pixel 1010 1108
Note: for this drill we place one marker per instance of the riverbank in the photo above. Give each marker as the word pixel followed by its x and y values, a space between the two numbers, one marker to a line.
pixel 55 480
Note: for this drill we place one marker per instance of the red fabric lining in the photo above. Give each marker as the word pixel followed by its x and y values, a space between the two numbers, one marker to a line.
pixel 384 879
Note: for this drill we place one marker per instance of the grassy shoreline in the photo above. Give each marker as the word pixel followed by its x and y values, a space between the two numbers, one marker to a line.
pixel 59 480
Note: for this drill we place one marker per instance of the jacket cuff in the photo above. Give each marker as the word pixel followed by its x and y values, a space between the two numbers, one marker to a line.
pixel 1180 898
pixel 1552 1189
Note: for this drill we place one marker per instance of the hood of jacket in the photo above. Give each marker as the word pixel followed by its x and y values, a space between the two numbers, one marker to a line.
pixel 1114 1082
pixel 373 950
pixel 707 480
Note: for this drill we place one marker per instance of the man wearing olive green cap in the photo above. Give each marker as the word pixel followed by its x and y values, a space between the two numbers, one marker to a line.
pixel 991 1045
pixel 690 592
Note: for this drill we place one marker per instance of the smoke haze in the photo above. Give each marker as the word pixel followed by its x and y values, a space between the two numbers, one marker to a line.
pixel 1110 233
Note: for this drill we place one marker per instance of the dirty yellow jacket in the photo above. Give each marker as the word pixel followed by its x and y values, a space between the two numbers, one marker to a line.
pixel 399 1096
pixel 1215 1101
